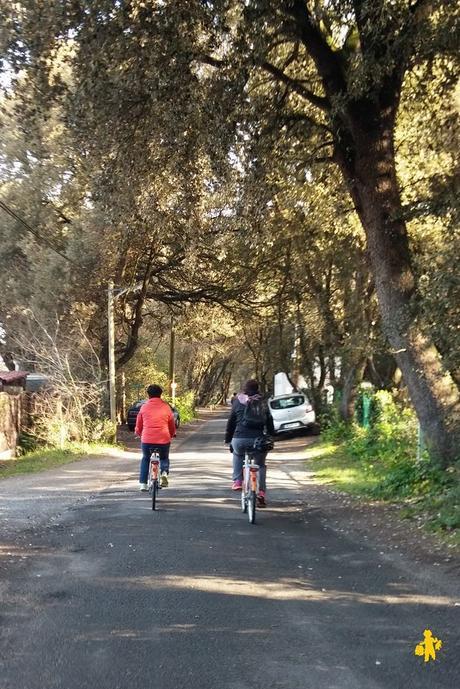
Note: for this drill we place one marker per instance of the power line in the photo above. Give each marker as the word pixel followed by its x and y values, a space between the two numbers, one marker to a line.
pixel 30 229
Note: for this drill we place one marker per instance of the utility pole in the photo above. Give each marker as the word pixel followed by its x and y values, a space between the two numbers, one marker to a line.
pixel 111 329
pixel 172 371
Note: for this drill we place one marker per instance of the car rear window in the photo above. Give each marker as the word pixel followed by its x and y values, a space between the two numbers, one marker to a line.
pixel 137 405
pixel 287 402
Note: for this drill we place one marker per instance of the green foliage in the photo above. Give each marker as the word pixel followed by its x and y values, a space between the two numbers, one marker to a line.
pixel 381 463
pixel 406 478
pixel 392 434
pixel 99 431
pixel 60 430
pixel 27 442
pixel 332 427
pixel 444 507
pixel 140 372
pixel 185 404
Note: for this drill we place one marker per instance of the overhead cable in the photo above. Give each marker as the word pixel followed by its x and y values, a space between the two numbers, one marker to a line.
pixel 37 235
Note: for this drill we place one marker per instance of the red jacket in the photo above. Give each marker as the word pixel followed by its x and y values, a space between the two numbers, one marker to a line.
pixel 155 422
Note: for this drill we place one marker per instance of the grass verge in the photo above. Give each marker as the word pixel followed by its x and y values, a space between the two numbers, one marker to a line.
pixel 425 491
pixel 47 458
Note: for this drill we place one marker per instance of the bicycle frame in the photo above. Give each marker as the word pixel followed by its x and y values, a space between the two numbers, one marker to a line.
pixel 154 470
pixel 153 483
pixel 249 488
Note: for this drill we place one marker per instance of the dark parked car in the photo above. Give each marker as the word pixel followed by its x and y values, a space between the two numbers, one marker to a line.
pixel 133 411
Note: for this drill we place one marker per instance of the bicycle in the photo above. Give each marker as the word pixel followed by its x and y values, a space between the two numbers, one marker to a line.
pixel 249 487
pixel 153 480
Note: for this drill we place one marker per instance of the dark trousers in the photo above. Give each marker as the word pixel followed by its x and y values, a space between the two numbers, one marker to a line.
pixel 147 450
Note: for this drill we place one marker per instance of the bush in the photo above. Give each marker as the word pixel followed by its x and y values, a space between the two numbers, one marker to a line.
pixel 411 479
pixel 142 371
pixel 56 422
pixel 185 404
pixel 100 431
pixel 382 460
pixel 27 442
pixel 332 426
pixel 392 436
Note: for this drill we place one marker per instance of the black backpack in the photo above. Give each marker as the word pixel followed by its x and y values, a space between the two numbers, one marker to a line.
pixel 255 414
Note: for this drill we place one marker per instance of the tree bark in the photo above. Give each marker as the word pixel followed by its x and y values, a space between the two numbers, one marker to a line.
pixel 353 377
pixel 370 173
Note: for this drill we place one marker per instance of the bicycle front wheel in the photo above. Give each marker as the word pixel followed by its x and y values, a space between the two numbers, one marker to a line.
pixel 244 502
pixel 154 493
pixel 252 507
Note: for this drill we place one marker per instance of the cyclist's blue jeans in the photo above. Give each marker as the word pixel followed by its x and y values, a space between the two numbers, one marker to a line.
pixel 240 447
pixel 147 449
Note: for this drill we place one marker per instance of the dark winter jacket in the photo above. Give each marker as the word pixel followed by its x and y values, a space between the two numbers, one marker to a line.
pixel 235 427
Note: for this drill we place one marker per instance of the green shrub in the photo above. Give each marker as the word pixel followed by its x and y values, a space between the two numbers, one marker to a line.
pixel 142 370
pixel 445 507
pixel 99 431
pixel 332 426
pixel 185 404
pixel 391 437
pixel 381 462
pixel 27 442
pixel 411 479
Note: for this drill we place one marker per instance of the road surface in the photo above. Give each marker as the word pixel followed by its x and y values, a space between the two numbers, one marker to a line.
pixel 100 592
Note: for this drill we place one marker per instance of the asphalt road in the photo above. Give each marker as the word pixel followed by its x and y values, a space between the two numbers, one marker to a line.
pixel 104 593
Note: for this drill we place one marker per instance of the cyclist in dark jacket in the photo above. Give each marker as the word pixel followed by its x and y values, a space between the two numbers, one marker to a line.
pixel 241 437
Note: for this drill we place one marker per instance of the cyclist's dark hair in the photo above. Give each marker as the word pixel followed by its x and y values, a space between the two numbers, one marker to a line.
pixel 154 391
pixel 251 387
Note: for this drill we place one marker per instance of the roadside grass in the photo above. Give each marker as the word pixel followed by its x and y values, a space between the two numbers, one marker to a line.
pixel 47 458
pixel 426 493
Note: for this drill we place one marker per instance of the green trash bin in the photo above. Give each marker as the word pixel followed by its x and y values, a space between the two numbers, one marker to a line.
pixel 366 410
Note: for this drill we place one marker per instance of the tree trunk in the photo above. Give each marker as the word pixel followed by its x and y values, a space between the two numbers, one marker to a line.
pixel 371 177
pixel 353 377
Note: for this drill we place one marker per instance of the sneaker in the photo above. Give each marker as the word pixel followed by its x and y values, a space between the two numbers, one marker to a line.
pixel 237 485
pixel 143 486
pixel 164 480
pixel 261 499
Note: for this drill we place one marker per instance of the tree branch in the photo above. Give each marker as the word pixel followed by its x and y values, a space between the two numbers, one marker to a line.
pixel 326 60
pixel 209 60
pixel 419 6
pixel 318 101
pixel 295 118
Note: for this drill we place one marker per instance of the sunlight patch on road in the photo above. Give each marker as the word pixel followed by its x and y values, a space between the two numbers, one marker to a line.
pixel 283 589
pixel 12 551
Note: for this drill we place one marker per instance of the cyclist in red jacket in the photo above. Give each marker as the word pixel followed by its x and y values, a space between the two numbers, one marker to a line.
pixel 155 426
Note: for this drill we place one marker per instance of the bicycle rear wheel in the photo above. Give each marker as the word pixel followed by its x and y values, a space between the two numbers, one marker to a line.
pixel 154 493
pixel 252 507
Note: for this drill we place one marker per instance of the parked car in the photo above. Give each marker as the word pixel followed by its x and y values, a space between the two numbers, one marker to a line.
pixel 133 411
pixel 291 411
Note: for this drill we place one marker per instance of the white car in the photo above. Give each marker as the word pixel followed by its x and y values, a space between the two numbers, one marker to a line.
pixel 291 411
